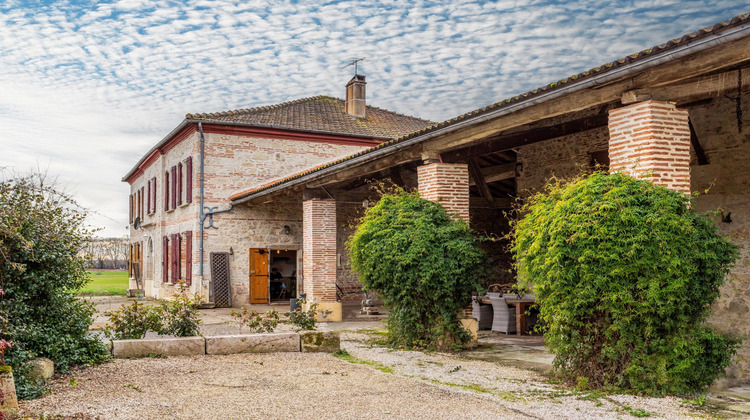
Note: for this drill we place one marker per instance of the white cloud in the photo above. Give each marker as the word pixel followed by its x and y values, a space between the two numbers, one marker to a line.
pixel 87 89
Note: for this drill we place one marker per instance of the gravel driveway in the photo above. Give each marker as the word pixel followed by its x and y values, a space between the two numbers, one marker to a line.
pixel 371 383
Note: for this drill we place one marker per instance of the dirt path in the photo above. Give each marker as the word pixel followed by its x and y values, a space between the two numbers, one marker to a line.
pixel 371 383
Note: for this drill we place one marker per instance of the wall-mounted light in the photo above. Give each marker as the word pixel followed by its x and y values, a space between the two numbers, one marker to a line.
pixel 286 229
pixel 231 251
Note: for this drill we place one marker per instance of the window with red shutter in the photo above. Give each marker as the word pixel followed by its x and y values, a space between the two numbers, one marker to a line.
pixel 166 190
pixel 165 259
pixel 179 183
pixel 188 257
pixel 143 199
pixel 130 208
pixel 148 197
pixel 174 186
pixel 153 181
pixel 189 180
pixel 179 257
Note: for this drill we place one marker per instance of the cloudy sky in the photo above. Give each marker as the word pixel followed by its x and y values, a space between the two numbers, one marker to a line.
pixel 87 87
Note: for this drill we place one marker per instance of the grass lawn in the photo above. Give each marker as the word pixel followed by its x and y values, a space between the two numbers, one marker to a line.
pixel 104 282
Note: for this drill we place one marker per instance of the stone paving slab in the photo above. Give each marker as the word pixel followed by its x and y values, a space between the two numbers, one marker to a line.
pixel 253 343
pixel 181 346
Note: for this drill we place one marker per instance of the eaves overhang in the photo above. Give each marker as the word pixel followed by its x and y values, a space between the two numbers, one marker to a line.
pixel 693 43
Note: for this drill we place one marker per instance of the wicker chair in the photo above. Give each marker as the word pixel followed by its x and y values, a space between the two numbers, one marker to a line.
pixel 503 316
pixel 483 315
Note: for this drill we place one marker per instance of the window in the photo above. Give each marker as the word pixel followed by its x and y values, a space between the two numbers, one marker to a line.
pixel 189 180
pixel 188 257
pixel 166 190
pixel 153 191
pixel 174 187
pixel 165 259
pixel 179 184
pixel 148 198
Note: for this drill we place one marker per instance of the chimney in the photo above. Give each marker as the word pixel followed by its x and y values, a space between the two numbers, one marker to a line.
pixel 355 96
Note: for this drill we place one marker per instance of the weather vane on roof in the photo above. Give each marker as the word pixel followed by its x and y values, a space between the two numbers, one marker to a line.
pixel 354 63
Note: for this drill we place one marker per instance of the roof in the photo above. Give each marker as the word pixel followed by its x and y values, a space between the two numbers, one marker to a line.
pixel 321 114
pixel 317 114
pixel 624 63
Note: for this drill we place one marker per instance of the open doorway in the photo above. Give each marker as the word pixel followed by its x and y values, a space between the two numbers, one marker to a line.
pixel 282 274
pixel 273 275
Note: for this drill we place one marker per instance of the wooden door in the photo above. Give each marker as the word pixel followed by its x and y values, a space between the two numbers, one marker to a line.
pixel 258 275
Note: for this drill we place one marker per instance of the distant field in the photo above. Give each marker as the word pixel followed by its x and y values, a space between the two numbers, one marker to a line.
pixel 104 282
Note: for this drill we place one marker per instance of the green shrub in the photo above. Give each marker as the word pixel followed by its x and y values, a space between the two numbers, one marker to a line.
pixel 257 322
pixel 424 265
pixel 42 233
pixel 301 319
pixel 625 272
pixel 133 321
pixel 180 315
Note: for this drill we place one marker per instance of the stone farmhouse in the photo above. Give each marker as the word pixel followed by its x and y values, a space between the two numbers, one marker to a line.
pixel 209 157
pixel 677 114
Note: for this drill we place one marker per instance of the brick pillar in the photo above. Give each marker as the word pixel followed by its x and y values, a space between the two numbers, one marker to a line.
pixel 447 183
pixel 651 140
pixel 319 256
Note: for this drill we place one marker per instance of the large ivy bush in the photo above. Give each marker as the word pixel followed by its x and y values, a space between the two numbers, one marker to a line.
pixel 42 232
pixel 422 263
pixel 625 273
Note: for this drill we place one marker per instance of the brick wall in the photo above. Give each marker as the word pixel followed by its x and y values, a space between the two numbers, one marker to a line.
pixel 319 241
pixel 651 140
pixel 447 183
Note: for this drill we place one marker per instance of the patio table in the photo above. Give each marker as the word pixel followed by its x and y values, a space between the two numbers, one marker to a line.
pixel 521 306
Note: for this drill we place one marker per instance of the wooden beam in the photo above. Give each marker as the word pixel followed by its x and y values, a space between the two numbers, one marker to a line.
pixel 691 90
pixel 385 162
pixel 500 143
pixel 495 203
pixel 476 175
pixel 497 173
pixel 702 158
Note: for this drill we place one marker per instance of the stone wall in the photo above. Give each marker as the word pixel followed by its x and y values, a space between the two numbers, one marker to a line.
pixel 164 222
pixel 232 164
pixel 724 184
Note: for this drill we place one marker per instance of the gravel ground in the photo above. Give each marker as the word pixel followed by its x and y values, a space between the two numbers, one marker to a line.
pixel 373 383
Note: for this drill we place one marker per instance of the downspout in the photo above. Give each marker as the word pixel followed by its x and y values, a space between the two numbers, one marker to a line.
pixel 203 158
pixel 203 213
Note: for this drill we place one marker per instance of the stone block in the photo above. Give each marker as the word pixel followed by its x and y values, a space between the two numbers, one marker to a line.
pixel 320 342
pixel 329 312
pixel 472 326
pixel 9 402
pixel 40 368
pixel 253 343
pixel 181 346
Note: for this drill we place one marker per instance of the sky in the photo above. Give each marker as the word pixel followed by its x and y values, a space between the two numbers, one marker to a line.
pixel 87 87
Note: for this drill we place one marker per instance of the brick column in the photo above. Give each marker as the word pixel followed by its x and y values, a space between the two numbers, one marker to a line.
pixel 447 183
pixel 651 140
pixel 319 256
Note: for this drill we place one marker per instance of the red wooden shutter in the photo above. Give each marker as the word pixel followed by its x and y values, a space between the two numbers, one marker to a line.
pixel 189 180
pixel 166 190
pixel 153 181
pixel 130 208
pixel 175 248
pixel 143 199
pixel 148 198
pixel 179 257
pixel 179 183
pixel 165 259
pixel 189 257
pixel 174 186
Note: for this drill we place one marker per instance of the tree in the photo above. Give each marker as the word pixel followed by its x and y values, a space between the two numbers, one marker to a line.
pixel 41 268
pixel 625 272
pixel 424 265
